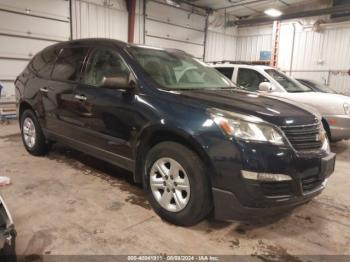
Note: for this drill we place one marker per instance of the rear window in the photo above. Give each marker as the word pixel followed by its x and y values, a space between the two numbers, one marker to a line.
pixel 43 63
pixel 226 71
pixel 69 63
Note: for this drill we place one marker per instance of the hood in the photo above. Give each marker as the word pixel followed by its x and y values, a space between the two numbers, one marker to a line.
pixel 326 103
pixel 272 110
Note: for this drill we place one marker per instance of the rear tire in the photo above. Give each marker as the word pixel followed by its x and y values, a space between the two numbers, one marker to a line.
pixel 179 190
pixel 32 136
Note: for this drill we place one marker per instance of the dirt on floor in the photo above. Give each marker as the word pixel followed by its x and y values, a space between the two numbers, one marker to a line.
pixel 70 203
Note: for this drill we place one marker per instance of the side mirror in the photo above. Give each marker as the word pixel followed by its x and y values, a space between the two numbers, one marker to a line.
pixel 116 82
pixel 266 87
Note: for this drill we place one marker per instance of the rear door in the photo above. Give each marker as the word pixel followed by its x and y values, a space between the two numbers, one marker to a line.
pixel 60 105
pixel 38 86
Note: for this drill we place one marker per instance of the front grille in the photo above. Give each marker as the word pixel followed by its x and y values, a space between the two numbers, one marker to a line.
pixel 283 188
pixel 311 183
pixel 304 137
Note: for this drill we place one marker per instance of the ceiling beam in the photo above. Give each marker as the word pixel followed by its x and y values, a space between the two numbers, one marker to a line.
pixel 316 12
pixel 194 5
pixel 283 2
pixel 251 9
pixel 240 4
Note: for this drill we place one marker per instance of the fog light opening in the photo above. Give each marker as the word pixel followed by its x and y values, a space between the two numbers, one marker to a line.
pixel 267 177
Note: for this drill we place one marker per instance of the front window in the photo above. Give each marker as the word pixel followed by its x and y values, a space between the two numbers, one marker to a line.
pixel 249 79
pixel 289 84
pixel 104 63
pixel 176 70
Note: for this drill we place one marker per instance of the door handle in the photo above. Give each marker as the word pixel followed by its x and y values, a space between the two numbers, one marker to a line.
pixel 80 97
pixel 44 90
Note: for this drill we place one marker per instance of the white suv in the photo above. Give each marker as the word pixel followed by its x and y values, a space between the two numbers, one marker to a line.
pixel 334 108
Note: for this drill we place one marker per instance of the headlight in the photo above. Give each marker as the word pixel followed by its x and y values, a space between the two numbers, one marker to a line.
pixel 246 127
pixel 346 108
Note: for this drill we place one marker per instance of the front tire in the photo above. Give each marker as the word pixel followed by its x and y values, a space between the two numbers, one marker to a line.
pixel 176 184
pixel 33 138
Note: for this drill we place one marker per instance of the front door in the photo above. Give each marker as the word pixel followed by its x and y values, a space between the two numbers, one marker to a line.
pixel 108 114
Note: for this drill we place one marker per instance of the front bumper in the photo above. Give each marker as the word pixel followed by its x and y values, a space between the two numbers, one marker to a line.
pixel 228 207
pixel 237 198
pixel 339 126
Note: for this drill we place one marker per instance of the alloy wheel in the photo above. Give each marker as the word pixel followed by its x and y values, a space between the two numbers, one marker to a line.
pixel 29 132
pixel 170 184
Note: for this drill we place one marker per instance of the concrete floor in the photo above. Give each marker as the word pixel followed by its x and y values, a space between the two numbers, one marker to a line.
pixel 70 203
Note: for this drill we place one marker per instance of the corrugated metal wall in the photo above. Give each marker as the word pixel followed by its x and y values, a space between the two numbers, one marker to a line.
pixel 100 18
pixel 139 23
pixel 172 27
pixel 241 44
pixel 323 56
pixel 220 45
pixel 221 41
pixel 252 40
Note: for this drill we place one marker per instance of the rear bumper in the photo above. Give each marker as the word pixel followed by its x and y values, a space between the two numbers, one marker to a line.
pixel 339 126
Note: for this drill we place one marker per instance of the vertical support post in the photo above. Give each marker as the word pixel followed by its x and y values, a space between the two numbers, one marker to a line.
pixel 131 5
pixel 71 18
pixel 144 21
pixel 275 43
pixel 205 35
pixel 292 52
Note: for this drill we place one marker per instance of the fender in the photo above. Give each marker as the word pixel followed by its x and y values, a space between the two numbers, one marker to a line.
pixel 158 132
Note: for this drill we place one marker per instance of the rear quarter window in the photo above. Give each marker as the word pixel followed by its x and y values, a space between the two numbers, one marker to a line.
pixel 43 63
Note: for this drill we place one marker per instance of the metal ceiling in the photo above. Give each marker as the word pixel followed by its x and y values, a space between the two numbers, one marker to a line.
pixel 244 8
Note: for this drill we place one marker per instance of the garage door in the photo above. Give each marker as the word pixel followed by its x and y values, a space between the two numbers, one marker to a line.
pixel 100 18
pixel 34 25
pixel 172 27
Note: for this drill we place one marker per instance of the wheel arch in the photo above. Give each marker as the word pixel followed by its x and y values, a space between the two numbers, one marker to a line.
pixel 157 134
pixel 327 128
pixel 23 105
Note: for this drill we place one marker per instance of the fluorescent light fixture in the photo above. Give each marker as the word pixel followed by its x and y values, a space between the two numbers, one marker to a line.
pixel 273 12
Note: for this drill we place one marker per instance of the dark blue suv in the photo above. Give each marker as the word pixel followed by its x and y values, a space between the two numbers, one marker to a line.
pixel 179 126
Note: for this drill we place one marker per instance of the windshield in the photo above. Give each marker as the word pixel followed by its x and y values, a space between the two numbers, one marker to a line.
pixel 317 85
pixel 176 70
pixel 289 84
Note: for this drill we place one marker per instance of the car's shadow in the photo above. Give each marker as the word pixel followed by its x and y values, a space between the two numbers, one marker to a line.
pixel 88 165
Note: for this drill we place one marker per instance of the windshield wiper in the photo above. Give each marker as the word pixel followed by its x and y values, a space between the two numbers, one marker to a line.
pixel 298 91
pixel 221 88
